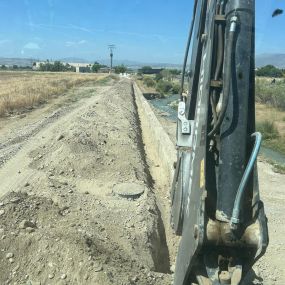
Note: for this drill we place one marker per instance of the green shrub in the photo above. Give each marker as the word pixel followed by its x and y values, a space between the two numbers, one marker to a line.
pixel 271 94
pixel 120 69
pixel 149 82
pixel 163 86
pixel 146 69
pixel 140 76
pixel 267 129
pixel 269 71
pixel 175 88
pixel 158 77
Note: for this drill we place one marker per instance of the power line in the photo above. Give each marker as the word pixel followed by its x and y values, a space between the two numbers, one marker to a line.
pixel 111 48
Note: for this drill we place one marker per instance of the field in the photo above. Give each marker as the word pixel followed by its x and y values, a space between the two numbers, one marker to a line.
pixel 270 113
pixel 270 93
pixel 21 91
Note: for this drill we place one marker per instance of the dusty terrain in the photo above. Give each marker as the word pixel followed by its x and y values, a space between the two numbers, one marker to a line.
pixel 61 222
pixel 21 91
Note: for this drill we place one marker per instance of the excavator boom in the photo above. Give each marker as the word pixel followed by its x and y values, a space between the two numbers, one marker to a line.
pixel 216 208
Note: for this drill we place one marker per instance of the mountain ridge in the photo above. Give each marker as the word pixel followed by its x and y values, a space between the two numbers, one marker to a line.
pixel 276 59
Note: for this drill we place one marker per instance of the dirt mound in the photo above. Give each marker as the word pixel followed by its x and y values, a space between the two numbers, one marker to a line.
pixel 61 243
pixel 63 224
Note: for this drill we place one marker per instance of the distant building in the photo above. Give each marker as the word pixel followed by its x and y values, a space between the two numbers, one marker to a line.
pixel 104 70
pixel 131 70
pixel 80 67
pixel 83 69
pixel 150 71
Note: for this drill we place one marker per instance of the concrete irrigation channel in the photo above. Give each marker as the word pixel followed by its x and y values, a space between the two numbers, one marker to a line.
pixel 84 192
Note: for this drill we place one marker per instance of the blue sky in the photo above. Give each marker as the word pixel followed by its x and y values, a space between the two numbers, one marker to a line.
pixel 142 30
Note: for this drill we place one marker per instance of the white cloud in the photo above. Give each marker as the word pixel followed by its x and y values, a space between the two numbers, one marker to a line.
pixel 51 27
pixel 31 45
pixel 3 42
pixel 70 44
pixel 83 29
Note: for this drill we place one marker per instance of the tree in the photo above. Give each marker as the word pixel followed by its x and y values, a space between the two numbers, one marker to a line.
pixel 269 71
pixel 149 82
pixel 69 67
pixel 170 74
pixel 146 69
pixel 3 67
pixel 175 88
pixel 158 77
pixel 163 86
pixel 175 72
pixel 166 74
pixel 120 69
pixel 57 66
pixel 96 66
pixel 41 67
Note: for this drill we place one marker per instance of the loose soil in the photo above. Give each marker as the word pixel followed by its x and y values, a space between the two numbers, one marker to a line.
pixel 61 222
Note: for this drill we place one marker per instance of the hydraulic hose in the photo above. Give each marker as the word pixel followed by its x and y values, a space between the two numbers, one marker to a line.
pixel 227 75
pixel 187 49
pixel 235 219
pixel 220 45
pixel 219 64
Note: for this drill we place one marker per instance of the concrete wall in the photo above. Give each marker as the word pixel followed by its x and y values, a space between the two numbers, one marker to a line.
pixel 161 145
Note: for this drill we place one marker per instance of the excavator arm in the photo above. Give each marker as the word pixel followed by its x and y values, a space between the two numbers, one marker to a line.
pixel 216 208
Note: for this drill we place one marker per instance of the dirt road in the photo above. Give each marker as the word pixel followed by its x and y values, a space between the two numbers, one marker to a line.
pixel 61 219
pixel 61 222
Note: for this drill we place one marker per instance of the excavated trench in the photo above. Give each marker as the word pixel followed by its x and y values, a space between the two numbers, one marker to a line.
pixel 160 251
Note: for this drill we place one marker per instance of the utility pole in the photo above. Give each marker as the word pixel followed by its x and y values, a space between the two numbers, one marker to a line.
pixel 111 48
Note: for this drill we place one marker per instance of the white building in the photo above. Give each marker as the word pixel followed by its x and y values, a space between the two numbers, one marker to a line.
pixel 80 67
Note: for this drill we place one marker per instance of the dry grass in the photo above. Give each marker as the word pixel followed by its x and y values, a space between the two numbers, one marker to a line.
pixel 270 121
pixel 20 91
pixel 270 94
pixel 270 112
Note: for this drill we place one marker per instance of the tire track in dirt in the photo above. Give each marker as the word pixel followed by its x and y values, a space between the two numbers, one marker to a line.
pixel 13 141
pixel 61 222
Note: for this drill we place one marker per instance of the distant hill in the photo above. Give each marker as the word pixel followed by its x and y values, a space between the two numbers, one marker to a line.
pixel 138 64
pixel 74 60
pixel 29 61
pixel 277 60
pixel 17 61
pixel 129 63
